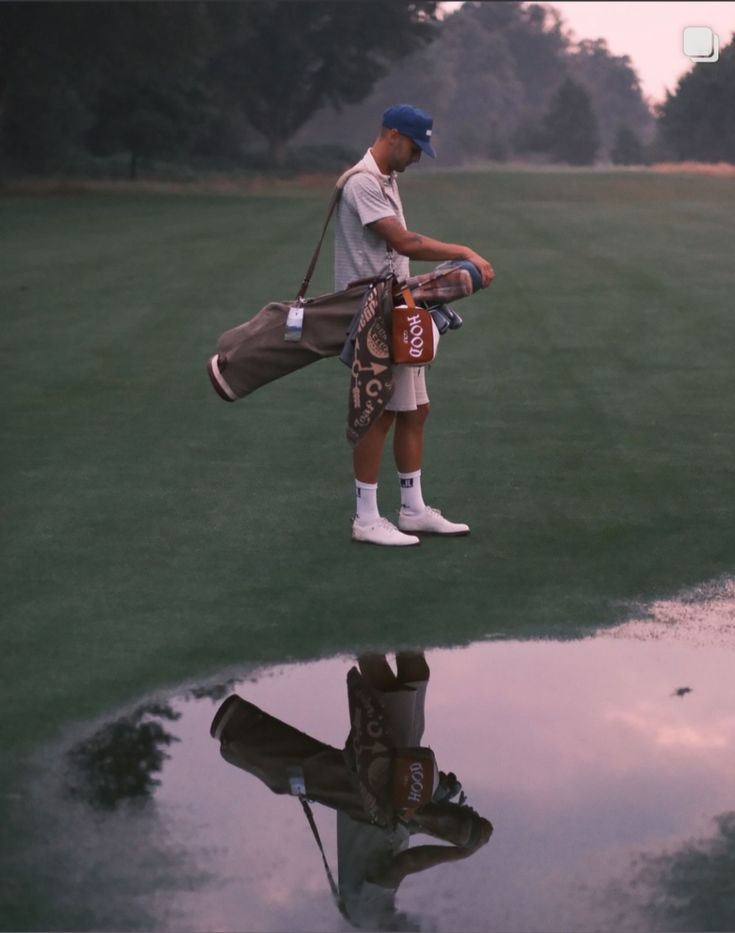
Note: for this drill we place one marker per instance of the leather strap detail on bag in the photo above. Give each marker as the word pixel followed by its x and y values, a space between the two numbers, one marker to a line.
pixel 414 338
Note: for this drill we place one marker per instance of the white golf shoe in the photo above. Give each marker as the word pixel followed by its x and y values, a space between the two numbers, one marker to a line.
pixel 430 522
pixel 381 531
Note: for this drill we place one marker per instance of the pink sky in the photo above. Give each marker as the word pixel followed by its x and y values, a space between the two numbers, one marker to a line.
pixel 650 33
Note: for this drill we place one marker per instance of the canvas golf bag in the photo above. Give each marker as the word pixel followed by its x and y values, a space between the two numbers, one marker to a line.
pixel 257 352
pixel 270 345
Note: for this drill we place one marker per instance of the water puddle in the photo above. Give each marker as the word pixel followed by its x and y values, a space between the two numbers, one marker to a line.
pixel 606 767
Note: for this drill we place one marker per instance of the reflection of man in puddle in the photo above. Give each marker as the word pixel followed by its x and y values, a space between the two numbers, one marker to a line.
pixel 373 859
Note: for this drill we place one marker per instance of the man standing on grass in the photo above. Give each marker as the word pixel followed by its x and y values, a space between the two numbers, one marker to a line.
pixel 371 239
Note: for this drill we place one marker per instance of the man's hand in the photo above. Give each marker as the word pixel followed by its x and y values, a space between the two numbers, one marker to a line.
pixel 486 270
pixel 481 834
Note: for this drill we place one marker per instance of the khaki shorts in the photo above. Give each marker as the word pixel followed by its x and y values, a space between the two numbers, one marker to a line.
pixel 404 708
pixel 409 388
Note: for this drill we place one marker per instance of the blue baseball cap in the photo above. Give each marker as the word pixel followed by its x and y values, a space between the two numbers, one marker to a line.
pixel 411 122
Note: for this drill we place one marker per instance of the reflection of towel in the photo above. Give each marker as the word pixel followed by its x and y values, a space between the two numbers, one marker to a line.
pixel 368 748
pixel 380 721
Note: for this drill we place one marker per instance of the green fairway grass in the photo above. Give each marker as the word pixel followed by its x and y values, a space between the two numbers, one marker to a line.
pixel 582 423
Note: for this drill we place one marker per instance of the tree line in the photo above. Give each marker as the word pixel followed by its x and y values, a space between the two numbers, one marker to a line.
pixel 88 87
pixel 83 80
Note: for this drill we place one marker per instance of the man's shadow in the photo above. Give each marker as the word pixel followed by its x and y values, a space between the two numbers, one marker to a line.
pixel 384 786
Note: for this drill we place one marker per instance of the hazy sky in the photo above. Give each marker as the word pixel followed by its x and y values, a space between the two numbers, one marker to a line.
pixel 650 33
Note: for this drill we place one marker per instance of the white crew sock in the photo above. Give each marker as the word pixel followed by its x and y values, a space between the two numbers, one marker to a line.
pixel 366 498
pixel 411 497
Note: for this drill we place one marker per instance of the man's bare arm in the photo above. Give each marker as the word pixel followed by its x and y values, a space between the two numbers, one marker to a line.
pixel 418 246
pixel 440 820
pixel 417 859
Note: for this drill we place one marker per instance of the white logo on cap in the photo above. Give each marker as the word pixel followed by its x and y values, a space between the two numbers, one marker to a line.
pixel 428 132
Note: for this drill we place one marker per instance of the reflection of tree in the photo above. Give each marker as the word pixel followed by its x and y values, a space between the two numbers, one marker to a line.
pixel 215 691
pixel 119 761
pixel 693 888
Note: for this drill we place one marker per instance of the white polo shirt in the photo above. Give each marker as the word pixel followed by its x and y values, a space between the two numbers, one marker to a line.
pixel 358 252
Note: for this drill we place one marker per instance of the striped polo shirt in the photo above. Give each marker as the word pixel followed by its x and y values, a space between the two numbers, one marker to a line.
pixel 358 252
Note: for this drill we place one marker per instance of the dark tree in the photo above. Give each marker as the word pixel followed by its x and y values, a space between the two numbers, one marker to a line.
pixel 488 80
pixel 145 120
pixel 150 91
pixel 43 113
pixel 117 74
pixel 280 61
pixel 698 120
pixel 570 126
pixel 614 90
pixel 627 148
pixel 539 48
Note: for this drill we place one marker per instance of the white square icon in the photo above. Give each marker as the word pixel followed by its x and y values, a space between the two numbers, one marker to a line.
pixel 701 44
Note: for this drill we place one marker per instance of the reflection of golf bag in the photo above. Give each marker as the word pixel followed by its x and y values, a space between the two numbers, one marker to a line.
pixel 393 782
pixel 272 750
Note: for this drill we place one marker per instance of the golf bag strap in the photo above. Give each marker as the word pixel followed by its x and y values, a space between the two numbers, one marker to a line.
pixel 408 298
pixel 315 830
pixel 341 181
pixel 312 265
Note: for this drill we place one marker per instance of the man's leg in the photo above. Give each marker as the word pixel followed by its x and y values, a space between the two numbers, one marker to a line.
pixel 368 453
pixel 377 671
pixel 408 440
pixel 368 525
pixel 408 448
pixel 411 666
